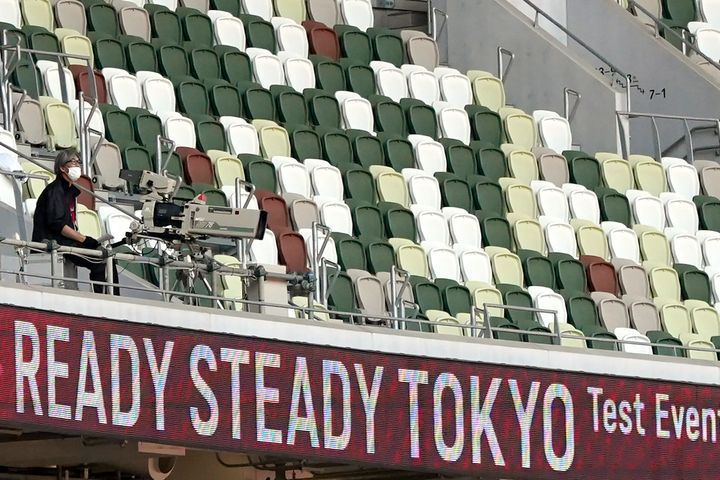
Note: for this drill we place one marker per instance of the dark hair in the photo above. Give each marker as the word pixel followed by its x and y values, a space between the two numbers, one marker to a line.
pixel 65 156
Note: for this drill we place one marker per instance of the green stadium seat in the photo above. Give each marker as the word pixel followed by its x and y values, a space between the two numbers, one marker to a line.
pixel 614 206
pixel 487 194
pixel 40 39
pixel 569 273
pixel 329 75
pixel 146 126
pixel 537 268
pixel 454 191
pixel 354 43
pixel 380 255
pixel 456 300
pixel 398 151
pixel 323 108
pixel 387 46
pixel 694 283
pixel 135 157
pixel 399 221
pixel 341 297
pixel 258 103
pixel 27 77
pixel 708 212
pixel 495 230
pixel 204 63
pixel 427 294
pixel 235 65
pixel 486 125
pixel 460 158
pixel 676 14
pixel 172 60
pixel 664 338
pixel 304 141
pixel 259 172
pixel 259 33
pixel 367 219
pixel 118 125
pixel 337 148
pixel 139 54
pixel 350 252
pixel 290 104
pixel 358 183
pixel 230 6
pixel 516 296
pixel 209 132
pixel 102 18
pixel 165 24
pixel 108 51
pixel 191 96
pixel 359 78
pixel 197 28
pixel 367 149
pixel 389 115
pixel 584 169
pixel 490 161
pixel 582 314
pixel 420 117
pixel 224 98
pixel 13 35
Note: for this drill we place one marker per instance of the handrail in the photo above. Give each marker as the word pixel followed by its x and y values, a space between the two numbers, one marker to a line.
pixel 579 41
pixel 658 24
pixel 570 113
pixel 659 116
pixel 503 71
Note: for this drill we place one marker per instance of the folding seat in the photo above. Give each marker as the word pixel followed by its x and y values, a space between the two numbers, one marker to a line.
pixel 546 299
pixel 422 84
pixel 267 68
pixel 358 13
pixel 299 72
pixel 390 81
pixel 191 96
pixel 356 111
pixel 490 161
pixel 51 80
pixel 705 320
pixel 710 243
pixel 685 247
pixel 95 122
pixel 591 239
pixel 554 130
pixel 631 335
pixel 360 185
pixel 421 49
pixel 341 296
pixel 29 121
pixel 292 251
pixel 359 78
pixel 694 283
pixel 559 236
pixel 709 173
pixel 460 158
pixel 204 63
pixel 257 102
pixel 259 32
pixel 172 61
pixel 290 36
pixel 583 314
pixel 369 296
pixel 197 27
pixel 135 20
pixel 367 149
pixel 109 52
pixel 600 274
pixel 622 240
pixel 614 206
pixel 649 174
pixel 488 90
pixel 197 166
pixel 330 251
pixel 519 197
pixel 507 267
pixel 454 191
pixel 139 55
pixel 616 171
pixel 474 263
pixel 73 43
pixel 421 119
pixel 537 268
pixel 654 246
pixel 676 321
pixel 389 115
pixel 290 105
pixel 453 121
pixel 495 230
pixel 664 281
pixel 410 257
pixel 521 163
pixel 241 136
pixel 227 168
pixel 486 125
pixel 37 13
pixel 569 272
pixel 60 123
pixel 454 86
pixel 278 216
pixel 118 125
pixel 304 141
pixel 680 212
pixel 431 225
pixel 399 221
pixel 26 77
pixel 224 98
pixel 12 14
pixel 367 220
pixel 259 172
pixel 643 313
pixel 123 89
pixel 632 278
pixel 398 151
pixel 387 46
pixel 442 261
pixel 273 139
pixel 234 65
pixel 335 215
pixel 429 154
pixel 292 176
pixel 583 203
pixel 38 38
pixel 519 127
pixel 380 255
pixel 708 209
pixel 647 209
pixel 179 129
pixel 551 200
pixel 324 108
pixel 424 189
pixel 227 28
pixel 682 177
pixel 527 233
pixel 322 39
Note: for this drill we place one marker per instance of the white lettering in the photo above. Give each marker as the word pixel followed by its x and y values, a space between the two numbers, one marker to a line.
pixel 117 343
pixel 159 378
pixel 235 358
pixel 660 414
pixel 369 402
pixel 560 392
pixel 27 369
pixel 301 386
pixel 413 378
pixel 335 368
pixel 524 415
pixel 453 452
pixel 265 395
pixel 55 370
pixel 207 427
pixel 94 399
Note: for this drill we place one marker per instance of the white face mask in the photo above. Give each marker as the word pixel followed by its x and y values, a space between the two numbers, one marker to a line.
pixel 74 173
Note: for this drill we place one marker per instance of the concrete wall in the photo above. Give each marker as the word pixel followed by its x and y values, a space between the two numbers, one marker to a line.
pixel 543 67
pixel 557 9
pixel 657 66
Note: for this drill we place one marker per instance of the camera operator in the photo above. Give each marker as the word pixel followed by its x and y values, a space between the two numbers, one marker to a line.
pixel 56 218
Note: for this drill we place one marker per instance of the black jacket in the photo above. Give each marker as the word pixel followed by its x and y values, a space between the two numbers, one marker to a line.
pixel 52 212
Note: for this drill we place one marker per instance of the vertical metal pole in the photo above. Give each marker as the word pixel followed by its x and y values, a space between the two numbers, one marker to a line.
pixel 314 256
pixel 486 320
pixel 53 266
pixel 556 323
pixel 393 296
pixel 241 244
pixel 690 146
pixel 658 147
pixel 109 275
pixel 165 275
pixel 158 160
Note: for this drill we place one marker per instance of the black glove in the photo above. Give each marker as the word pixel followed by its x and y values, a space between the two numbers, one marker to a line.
pixel 90 243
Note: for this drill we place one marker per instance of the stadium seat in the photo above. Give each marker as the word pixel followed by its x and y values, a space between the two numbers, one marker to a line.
pixel 519 127
pixel 680 212
pixel 290 36
pixel 322 39
pixel 488 90
pixel 649 174
pixel 241 136
pixel 616 171
pixel 358 13
pixel 390 80
pixel 710 243
pixel 51 80
pixel 424 189
pixel 527 233
pixel 273 139
pixel 554 130
pixel 682 177
pixel 454 86
pixel 708 211
pixel 299 72
pixel 521 163
pixel 429 154
pixel 387 45
pixel 421 49
pixel 227 29
pixel 356 111
pixel 453 121
pixel 487 126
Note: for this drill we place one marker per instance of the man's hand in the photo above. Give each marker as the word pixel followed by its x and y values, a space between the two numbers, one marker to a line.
pixel 90 243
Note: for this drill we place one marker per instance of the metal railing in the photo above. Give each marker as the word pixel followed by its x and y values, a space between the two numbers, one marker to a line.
pixel 654 117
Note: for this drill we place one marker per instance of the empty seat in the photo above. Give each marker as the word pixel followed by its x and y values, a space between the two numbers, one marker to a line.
pixel 423 188
pixel 546 299
pixel 708 209
pixel 507 267
pixel 488 90
pixel 442 261
pixel 420 118
pixel 453 121
pixel 519 198
pixel 519 127
pixel 390 80
pixel 681 176
pixel 322 39
pixel 584 169
pixel 51 79
pixel 60 123
pixel 583 203
pixel 616 171
pixel 429 154
pixel 710 243
pixel 680 212
pixel 292 176
pixel 614 206
pixel 227 29
pixel 356 111
pixel 622 240
pixel 684 247
pixel 290 36
pixel 358 13
pixel 521 163
pixel 649 174
pixel 551 200
pixel 273 139
pixel 454 86
pixel 554 130
pixel 431 225
pixel 454 191
pixel 197 166
pixel 486 125
pixel 694 283
pixel 600 275
pixel 647 209
pixel 387 45
pixel 591 239
pixel 421 49
pixel 36 12
pixel 410 257
pixel 335 215
pixel 527 233
pixel 559 236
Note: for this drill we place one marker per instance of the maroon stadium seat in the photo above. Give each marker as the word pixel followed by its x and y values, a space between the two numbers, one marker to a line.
pixel 278 216
pixel 322 39
pixel 84 84
pixel 291 251
pixel 197 166
pixel 600 274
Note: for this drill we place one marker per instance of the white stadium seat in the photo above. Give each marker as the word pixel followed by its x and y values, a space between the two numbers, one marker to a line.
pixel 299 71
pixel 551 200
pixel 390 80
pixel 51 79
pixel 429 154
pixel 682 177
pixel 228 30
pixel 442 261
pixel 559 236
pixel 290 36
pixel 431 225
pixel 622 240
pixel 464 227
pixel 583 203
pixel 453 121
pixel 685 247
pixel 356 111
pixel 335 215
pixel 241 136
pixel 123 88
pixel 292 176
pixel 261 8
pixel 326 179
pixel 554 130
pixel 424 189
pixel 179 129
pixel 358 13
pixel 680 212
pixel 474 264
pixel 267 68
pixel 422 84
pixel 454 86
pixel 158 92
pixel 647 209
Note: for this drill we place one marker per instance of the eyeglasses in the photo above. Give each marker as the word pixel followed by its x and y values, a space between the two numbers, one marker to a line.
pixel 73 163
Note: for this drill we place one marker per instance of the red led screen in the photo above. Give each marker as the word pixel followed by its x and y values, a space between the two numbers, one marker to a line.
pixel 84 375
